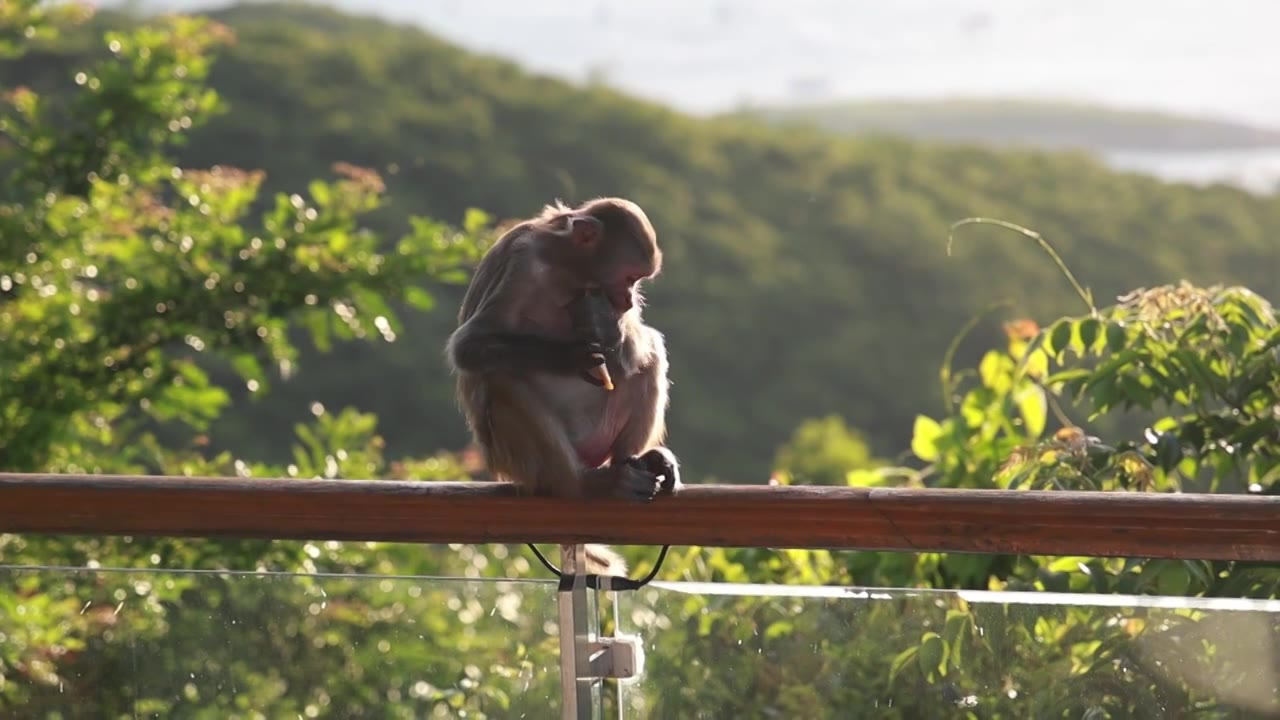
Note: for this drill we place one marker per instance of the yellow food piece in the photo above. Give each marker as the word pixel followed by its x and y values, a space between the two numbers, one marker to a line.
pixel 602 373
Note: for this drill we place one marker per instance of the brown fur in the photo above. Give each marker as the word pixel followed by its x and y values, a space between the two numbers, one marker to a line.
pixel 535 425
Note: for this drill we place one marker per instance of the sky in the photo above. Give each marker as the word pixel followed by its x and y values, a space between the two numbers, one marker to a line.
pixel 1215 58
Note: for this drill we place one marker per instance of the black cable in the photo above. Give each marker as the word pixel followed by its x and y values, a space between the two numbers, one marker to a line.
pixel 594 581
pixel 554 570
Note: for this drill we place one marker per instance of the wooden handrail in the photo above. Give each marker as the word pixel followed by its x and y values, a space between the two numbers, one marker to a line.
pixel 1208 527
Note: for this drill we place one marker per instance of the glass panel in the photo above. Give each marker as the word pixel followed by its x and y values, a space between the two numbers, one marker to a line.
pixel 759 651
pixel 192 644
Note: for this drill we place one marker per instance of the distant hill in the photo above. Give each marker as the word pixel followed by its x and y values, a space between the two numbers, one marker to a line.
pixel 806 273
pixel 1052 125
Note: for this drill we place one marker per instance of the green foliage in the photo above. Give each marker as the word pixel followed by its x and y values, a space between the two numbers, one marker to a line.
pixel 142 299
pixel 25 21
pixel 1006 426
pixel 1210 359
pixel 218 645
pixel 1207 357
pixel 823 451
pixel 911 655
pixel 120 270
pixel 804 274
pixel 1205 361
pixel 122 267
pixel 1210 356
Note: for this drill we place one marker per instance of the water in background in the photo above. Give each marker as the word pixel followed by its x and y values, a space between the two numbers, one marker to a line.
pixel 1255 170
pixel 1215 58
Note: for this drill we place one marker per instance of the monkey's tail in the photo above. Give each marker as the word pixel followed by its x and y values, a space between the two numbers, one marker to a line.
pixel 603 561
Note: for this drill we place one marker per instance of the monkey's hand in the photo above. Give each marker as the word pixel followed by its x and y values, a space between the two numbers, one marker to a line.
pixel 625 480
pixel 636 483
pixel 662 463
pixel 482 352
pixel 592 367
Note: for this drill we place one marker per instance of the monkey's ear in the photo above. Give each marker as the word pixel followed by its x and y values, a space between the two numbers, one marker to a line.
pixel 585 230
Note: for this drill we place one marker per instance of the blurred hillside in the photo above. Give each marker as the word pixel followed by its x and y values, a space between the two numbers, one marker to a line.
pixel 1015 59
pixel 1170 146
pixel 708 57
pixel 807 274
pixel 1053 125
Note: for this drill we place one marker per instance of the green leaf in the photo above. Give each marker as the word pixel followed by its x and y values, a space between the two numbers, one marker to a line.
pixel 954 631
pixel 248 367
pixel 319 324
pixel 1248 435
pixel 1173 579
pixel 419 298
pixel 1201 571
pixel 1059 337
pixel 933 652
pixel 924 438
pixel 1117 336
pixel 996 370
pixel 1033 406
pixel 900 662
pixel 1088 331
pixel 1168 451
pixel 865 477
pixel 1036 363
pixel 778 629
pixel 320 193
pixel 1066 375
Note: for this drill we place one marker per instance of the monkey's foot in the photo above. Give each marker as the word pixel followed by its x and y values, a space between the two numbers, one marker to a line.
pixel 624 481
pixel 636 484
pixel 662 463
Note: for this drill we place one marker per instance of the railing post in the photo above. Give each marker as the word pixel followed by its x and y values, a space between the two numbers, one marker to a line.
pixel 579 692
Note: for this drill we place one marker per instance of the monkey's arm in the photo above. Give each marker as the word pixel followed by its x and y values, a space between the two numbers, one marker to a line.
pixel 473 348
pixel 639 444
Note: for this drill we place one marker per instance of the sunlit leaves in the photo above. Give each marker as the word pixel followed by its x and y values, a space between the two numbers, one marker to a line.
pixel 144 96
pixel 1033 408
pixel 824 451
pixel 25 22
pixel 187 396
pixel 1205 356
pixel 924 438
pixel 131 266
pixel 1203 351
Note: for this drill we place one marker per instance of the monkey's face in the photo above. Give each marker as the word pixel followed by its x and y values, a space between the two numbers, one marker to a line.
pixel 622 297
pixel 621 283
pixel 617 272
pixel 620 267
pixel 611 250
pixel 621 289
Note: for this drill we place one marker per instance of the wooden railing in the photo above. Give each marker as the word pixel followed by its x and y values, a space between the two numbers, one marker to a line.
pixel 1210 527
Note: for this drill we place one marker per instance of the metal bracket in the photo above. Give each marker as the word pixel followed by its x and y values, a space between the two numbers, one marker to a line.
pixel 620 657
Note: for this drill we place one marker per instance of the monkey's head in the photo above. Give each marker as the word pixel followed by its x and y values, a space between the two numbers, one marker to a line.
pixel 607 244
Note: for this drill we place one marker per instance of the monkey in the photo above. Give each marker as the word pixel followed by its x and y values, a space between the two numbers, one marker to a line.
pixel 563 385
